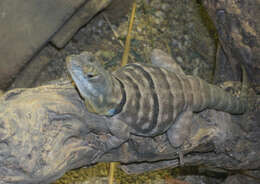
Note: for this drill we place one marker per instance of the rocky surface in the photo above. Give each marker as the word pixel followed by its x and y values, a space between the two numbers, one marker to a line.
pixel 26 25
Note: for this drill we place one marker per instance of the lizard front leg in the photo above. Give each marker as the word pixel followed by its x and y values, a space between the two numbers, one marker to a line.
pixel 120 131
pixel 120 134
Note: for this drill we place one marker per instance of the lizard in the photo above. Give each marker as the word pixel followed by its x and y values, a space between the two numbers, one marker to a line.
pixel 147 99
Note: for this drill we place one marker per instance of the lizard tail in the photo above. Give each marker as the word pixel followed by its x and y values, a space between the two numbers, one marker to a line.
pixel 222 100
pixel 236 105
pixel 213 97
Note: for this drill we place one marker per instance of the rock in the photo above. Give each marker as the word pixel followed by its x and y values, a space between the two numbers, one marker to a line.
pixel 80 18
pixel 157 21
pixel 26 25
pixel 179 59
pixel 160 14
pixel 165 6
pixel 155 4
pixel 122 30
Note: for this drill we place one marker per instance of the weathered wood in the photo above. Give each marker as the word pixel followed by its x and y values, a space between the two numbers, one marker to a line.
pixel 47 131
pixel 238 26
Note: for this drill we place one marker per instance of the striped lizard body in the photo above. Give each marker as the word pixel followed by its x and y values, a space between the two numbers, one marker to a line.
pixel 147 100
pixel 155 97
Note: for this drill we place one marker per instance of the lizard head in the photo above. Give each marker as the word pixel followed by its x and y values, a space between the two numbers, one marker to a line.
pixel 94 83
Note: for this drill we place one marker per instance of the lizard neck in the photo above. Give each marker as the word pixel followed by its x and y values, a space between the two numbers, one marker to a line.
pixel 117 97
pixel 111 101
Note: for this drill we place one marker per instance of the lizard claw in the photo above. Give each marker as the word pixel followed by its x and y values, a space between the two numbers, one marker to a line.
pixel 97 156
pixel 180 153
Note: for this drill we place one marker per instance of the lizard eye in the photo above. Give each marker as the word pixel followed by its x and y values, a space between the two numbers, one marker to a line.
pixel 91 75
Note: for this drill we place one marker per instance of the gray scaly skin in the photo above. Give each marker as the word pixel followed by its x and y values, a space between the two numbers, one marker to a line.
pixel 147 99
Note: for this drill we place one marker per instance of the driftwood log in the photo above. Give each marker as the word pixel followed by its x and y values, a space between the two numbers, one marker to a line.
pixel 46 131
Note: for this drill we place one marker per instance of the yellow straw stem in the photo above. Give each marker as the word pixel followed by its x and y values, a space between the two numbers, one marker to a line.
pixel 124 62
pixel 111 172
pixel 128 38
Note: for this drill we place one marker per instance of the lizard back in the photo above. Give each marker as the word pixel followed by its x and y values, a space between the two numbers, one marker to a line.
pixel 154 97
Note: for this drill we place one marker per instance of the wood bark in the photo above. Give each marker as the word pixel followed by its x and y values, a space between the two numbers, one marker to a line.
pixel 47 131
pixel 238 27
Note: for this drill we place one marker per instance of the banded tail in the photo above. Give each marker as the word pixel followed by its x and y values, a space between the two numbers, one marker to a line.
pixel 206 95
